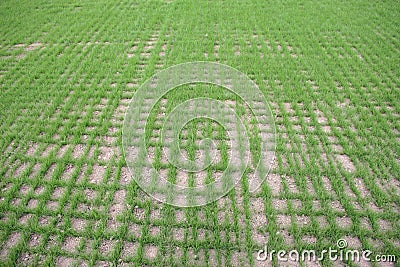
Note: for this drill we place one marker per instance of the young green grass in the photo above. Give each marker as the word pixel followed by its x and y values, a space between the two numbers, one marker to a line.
pixel 68 70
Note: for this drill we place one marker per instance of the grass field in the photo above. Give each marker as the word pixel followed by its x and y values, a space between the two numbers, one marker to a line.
pixel 329 70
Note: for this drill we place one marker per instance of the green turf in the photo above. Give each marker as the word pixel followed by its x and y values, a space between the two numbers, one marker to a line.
pixel 329 70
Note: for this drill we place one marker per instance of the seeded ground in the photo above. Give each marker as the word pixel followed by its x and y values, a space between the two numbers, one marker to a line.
pixel 68 69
